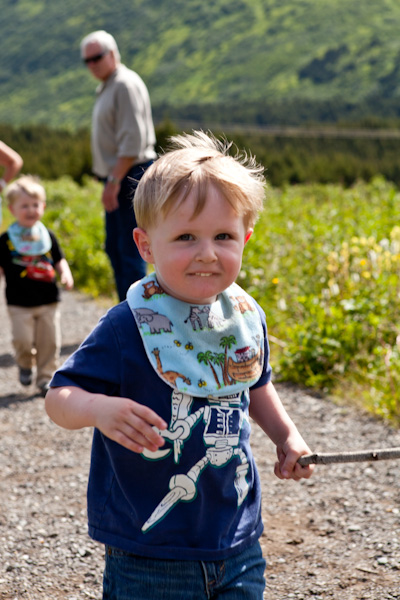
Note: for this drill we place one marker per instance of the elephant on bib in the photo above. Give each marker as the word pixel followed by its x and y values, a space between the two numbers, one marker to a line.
pixel 154 320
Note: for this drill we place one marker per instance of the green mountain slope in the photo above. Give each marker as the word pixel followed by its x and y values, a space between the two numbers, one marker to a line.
pixel 258 61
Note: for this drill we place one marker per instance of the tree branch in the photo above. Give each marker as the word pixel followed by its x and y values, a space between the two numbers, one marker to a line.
pixel 346 457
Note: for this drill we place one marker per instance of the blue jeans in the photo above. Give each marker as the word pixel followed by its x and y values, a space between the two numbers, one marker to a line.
pixel 127 264
pixel 131 577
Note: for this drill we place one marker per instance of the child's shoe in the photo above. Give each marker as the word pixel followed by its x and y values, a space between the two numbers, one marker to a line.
pixel 44 387
pixel 25 376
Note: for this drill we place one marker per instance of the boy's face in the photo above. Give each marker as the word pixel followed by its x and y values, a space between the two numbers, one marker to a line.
pixel 27 210
pixel 196 258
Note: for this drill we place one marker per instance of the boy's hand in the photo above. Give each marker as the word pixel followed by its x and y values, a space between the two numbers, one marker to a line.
pixel 129 423
pixel 62 268
pixel 287 466
pixel 67 280
pixel 269 412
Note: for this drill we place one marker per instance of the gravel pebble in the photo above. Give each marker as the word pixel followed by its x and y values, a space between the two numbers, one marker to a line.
pixel 333 536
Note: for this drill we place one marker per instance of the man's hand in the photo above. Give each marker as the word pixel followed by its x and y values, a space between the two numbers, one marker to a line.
pixel 110 196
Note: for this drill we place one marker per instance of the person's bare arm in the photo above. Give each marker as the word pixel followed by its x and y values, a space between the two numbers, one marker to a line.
pixel 62 268
pixel 268 411
pixel 125 421
pixel 11 161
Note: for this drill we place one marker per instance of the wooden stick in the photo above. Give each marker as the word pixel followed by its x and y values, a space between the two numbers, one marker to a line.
pixel 346 457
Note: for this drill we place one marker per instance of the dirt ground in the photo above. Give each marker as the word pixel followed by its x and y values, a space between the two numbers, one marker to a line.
pixel 333 536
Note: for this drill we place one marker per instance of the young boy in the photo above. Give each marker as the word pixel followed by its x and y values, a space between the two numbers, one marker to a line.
pixel 29 257
pixel 168 379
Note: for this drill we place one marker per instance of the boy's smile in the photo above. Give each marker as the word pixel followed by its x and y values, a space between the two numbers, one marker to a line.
pixel 196 258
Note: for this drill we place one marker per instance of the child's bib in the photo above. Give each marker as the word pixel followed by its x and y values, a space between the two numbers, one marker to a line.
pixel 203 350
pixel 30 241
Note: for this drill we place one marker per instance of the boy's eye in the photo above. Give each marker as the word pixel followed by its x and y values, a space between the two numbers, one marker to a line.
pixel 185 237
pixel 223 236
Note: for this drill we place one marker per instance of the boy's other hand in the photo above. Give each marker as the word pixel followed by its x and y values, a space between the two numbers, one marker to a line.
pixel 287 466
pixel 67 281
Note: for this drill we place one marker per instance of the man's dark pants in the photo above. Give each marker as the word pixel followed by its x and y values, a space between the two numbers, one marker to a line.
pixel 127 264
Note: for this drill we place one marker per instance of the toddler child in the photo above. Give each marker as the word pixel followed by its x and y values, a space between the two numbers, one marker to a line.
pixel 29 258
pixel 168 379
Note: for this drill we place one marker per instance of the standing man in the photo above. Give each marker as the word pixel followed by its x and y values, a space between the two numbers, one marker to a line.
pixel 123 141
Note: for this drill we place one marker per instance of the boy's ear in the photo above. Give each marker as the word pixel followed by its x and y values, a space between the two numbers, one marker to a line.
pixel 142 242
pixel 248 235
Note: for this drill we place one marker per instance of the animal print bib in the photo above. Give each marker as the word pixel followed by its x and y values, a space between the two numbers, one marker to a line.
pixel 202 350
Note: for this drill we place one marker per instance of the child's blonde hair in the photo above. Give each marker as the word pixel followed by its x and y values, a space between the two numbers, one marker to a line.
pixel 194 162
pixel 28 184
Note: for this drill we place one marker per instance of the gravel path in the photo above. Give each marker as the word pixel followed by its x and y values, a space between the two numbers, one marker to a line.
pixel 334 536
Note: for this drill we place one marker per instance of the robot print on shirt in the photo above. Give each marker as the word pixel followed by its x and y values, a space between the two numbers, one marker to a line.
pixel 223 420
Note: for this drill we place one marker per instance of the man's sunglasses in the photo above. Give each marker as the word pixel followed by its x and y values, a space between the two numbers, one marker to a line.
pixel 94 59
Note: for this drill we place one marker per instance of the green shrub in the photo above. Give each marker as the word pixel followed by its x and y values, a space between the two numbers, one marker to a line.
pixel 325 266
pixel 76 216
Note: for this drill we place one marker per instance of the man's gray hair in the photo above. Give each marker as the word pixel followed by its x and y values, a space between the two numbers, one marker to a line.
pixel 106 41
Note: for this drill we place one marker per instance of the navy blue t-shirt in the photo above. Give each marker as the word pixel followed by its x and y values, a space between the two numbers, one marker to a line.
pixel 196 499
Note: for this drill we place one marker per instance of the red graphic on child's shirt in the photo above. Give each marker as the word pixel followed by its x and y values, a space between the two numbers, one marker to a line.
pixel 38 268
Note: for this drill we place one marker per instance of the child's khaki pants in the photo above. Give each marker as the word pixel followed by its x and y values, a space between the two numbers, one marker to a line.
pixel 36 337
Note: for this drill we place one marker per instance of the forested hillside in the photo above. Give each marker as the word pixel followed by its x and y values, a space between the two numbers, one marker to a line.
pixel 254 61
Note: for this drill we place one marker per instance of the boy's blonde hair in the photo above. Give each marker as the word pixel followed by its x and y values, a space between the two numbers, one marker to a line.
pixel 28 184
pixel 195 162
